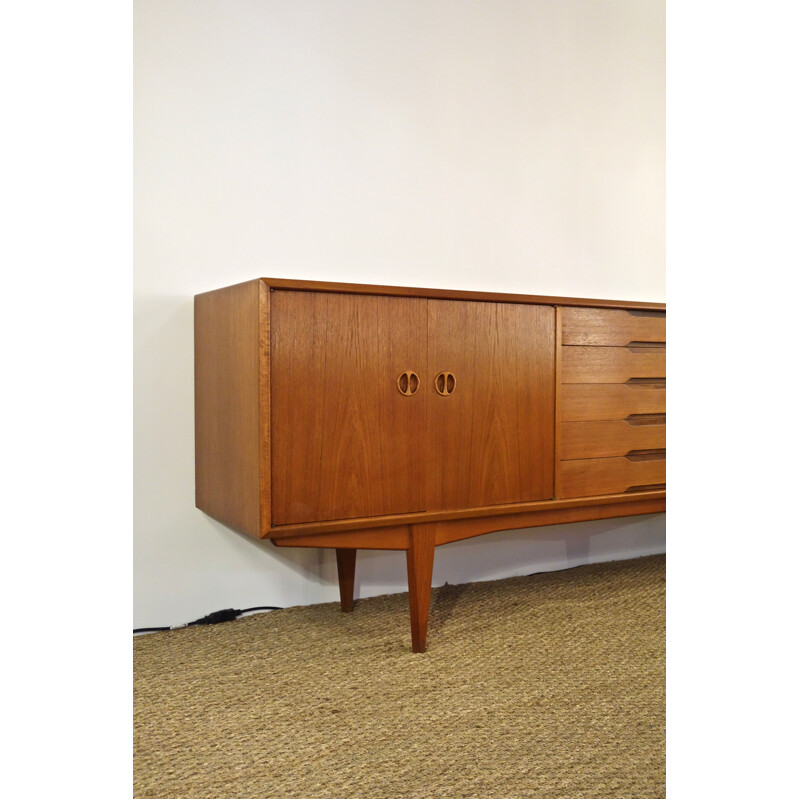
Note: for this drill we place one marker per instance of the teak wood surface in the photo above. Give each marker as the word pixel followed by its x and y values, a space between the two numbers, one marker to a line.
pixel 594 326
pixel 582 402
pixel 284 532
pixel 454 530
pixel 590 476
pixel 453 294
pixel 419 562
pixel 597 439
pixel 227 420
pixel 345 441
pixel 346 568
pixel 307 434
pixel 611 364
pixel 491 441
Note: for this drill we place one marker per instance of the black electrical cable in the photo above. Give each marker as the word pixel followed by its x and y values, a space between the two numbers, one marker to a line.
pixel 226 615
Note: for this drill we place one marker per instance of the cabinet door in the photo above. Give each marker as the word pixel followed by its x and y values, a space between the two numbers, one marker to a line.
pixel 491 434
pixel 345 441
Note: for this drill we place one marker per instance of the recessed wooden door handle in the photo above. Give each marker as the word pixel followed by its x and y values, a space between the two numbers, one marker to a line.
pixel 408 382
pixel 445 383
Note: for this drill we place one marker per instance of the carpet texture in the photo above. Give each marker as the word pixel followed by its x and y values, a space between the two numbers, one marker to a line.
pixel 546 686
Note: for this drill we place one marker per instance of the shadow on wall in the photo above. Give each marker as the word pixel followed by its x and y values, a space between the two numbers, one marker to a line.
pixel 489 557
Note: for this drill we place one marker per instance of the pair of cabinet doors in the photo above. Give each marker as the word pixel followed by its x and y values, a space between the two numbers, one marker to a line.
pixel 359 427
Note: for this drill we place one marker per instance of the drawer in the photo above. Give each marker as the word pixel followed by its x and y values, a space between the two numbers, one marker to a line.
pixel 612 437
pixel 617 327
pixel 588 477
pixel 612 364
pixel 608 401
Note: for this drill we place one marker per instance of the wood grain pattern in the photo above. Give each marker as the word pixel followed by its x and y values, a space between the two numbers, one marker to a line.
pixel 490 441
pixel 593 326
pixel 265 427
pixel 609 438
pixel 452 530
pixel 227 411
pixel 306 432
pixel 456 530
pixel 611 364
pixel 601 476
pixel 590 401
pixel 315 531
pixel 392 537
pixel 419 560
pixel 557 399
pixel 345 442
pixel 452 294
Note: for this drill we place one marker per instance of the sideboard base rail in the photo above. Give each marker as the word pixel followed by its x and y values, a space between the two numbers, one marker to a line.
pixel 419 540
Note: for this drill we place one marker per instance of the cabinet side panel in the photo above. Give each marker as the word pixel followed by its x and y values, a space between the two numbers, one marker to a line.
pixel 265 407
pixel 226 324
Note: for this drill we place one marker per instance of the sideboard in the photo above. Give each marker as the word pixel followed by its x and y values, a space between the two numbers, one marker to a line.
pixel 377 417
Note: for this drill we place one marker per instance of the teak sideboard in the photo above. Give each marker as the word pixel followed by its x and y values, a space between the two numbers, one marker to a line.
pixel 376 417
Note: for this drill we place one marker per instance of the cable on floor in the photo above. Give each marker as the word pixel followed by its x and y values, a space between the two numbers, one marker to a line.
pixel 225 615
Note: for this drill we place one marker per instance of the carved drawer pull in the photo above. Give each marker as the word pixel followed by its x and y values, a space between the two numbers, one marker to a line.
pixel 408 383
pixel 445 383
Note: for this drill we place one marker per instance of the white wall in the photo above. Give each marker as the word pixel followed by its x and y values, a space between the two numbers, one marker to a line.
pixel 500 145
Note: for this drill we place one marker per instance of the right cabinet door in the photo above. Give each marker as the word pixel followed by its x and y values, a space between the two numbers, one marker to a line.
pixel 490 409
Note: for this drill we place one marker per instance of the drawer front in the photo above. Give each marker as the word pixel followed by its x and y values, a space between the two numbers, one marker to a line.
pixel 612 364
pixel 589 477
pixel 608 401
pixel 611 438
pixel 615 327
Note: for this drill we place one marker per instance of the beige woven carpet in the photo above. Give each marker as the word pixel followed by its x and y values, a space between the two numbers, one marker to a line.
pixel 544 686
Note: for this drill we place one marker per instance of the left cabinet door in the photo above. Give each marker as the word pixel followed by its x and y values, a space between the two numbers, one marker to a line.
pixel 346 437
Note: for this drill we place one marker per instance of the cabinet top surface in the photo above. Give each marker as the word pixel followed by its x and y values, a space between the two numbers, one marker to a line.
pixel 452 294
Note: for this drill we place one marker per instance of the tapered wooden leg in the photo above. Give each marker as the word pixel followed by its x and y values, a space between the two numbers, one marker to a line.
pixel 346 566
pixel 422 540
